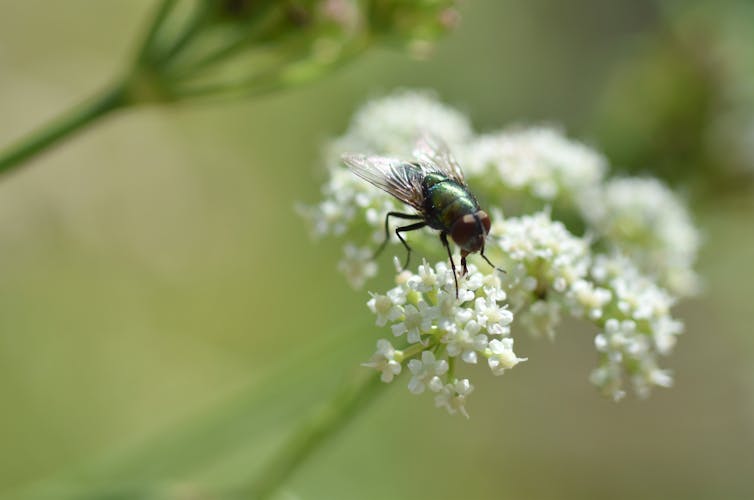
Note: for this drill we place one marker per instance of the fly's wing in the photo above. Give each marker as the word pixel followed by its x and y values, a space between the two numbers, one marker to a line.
pixel 433 150
pixel 396 177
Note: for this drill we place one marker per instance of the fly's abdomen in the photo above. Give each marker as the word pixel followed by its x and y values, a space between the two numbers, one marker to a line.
pixel 446 201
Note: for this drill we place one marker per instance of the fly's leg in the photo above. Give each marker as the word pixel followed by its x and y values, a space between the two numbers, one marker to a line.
pixel 444 239
pixel 387 230
pixel 404 229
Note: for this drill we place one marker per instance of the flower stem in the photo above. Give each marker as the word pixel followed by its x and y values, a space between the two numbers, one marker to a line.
pixel 61 128
pixel 313 433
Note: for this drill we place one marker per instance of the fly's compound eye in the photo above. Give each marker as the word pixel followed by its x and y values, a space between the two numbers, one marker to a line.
pixel 467 233
pixel 485 219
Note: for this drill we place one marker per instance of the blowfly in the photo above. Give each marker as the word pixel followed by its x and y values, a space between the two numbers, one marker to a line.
pixel 434 186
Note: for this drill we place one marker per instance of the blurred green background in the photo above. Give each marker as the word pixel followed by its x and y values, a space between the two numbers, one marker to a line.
pixel 165 318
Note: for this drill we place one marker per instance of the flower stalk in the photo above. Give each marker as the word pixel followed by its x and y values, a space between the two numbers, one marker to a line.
pixel 65 126
pixel 320 428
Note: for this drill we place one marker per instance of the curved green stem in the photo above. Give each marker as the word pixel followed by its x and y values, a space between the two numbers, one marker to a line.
pixel 61 128
pixel 318 429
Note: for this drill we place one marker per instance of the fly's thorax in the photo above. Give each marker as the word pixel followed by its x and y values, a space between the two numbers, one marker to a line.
pixel 446 201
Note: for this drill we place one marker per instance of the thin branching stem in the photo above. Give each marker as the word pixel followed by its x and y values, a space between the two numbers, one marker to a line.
pixel 255 31
pixel 89 112
pixel 192 27
pixel 147 51
pixel 67 124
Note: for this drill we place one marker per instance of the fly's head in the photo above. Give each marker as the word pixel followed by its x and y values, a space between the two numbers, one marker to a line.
pixel 470 231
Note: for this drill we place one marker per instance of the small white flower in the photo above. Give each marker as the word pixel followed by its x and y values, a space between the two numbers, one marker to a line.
pixel 452 396
pixel 608 378
pixel 384 361
pixel 357 265
pixel 651 376
pixel 474 280
pixel 616 337
pixel 541 318
pixel 386 307
pixel 500 355
pixel 416 320
pixel 492 287
pixel 426 373
pixel 466 341
pixel 426 279
pixel 447 306
pixel 662 378
pixel 491 315
pixel 589 299
pixel 664 332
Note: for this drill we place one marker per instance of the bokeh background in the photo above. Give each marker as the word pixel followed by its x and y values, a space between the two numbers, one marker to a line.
pixel 165 319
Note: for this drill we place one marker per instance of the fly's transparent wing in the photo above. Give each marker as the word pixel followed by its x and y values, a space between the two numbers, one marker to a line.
pixel 431 149
pixel 396 177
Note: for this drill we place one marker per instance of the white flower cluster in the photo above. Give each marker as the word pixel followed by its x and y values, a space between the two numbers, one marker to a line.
pixel 438 329
pixel 348 203
pixel 550 275
pixel 538 161
pixel 391 125
pixel 644 219
pixel 622 272
pixel 544 262
pixel 636 330
pixel 554 273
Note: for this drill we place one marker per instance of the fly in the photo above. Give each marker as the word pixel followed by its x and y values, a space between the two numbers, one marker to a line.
pixel 434 186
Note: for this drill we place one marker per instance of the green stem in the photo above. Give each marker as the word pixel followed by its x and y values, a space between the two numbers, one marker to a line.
pixel 261 27
pixel 61 128
pixel 315 432
pixel 266 82
pixel 149 48
pixel 192 27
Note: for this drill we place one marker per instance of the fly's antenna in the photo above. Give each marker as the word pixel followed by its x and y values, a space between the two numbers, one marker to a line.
pixel 493 265
pixel 481 252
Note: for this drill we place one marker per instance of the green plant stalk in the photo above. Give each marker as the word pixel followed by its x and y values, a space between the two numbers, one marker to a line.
pixel 115 97
pixel 320 428
pixel 74 121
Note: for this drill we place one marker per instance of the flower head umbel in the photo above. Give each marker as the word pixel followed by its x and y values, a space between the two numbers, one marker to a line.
pixel 537 161
pixel 615 254
pixel 438 330
pixel 637 328
pixel 644 219
pixel 391 125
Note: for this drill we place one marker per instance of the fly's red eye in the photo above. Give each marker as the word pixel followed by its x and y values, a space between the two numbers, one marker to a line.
pixel 466 233
pixel 485 221
pixel 464 229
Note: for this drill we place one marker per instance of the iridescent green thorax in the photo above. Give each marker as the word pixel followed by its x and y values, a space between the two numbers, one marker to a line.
pixel 445 201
